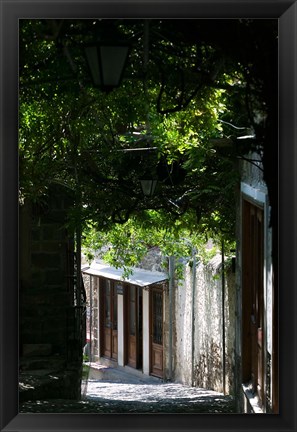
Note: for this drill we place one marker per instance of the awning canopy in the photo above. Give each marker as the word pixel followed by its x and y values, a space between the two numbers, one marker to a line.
pixel 139 276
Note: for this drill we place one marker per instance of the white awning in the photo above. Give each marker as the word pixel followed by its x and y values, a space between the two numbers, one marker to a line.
pixel 139 276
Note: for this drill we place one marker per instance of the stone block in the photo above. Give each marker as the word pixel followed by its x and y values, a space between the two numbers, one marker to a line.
pixel 37 279
pixel 52 232
pixel 51 246
pixel 54 277
pixel 46 260
pixel 37 349
pixel 35 247
pixel 36 299
pixel 35 234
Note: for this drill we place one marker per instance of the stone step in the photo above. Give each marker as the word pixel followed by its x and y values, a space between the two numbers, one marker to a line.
pixel 122 374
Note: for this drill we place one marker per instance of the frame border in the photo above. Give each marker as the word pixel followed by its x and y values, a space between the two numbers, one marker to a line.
pixel 10 12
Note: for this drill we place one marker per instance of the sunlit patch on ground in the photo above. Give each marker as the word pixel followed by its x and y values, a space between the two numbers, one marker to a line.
pixel 110 397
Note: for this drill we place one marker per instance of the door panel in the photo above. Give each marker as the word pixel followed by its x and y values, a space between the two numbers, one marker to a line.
pixel 157 332
pixel 114 339
pixel 107 342
pixel 253 297
pixel 114 353
pixel 132 350
pixel 134 326
pixel 109 322
pixel 157 360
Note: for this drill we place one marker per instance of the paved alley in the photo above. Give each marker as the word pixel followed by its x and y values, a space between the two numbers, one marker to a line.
pixel 116 391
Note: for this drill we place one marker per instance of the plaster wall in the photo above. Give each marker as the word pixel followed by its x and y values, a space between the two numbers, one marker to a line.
pixel 183 333
pixel 203 367
pixel 251 173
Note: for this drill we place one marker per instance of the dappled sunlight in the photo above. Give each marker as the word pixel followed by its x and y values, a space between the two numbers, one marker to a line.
pixel 137 397
pixel 145 393
pixel 24 386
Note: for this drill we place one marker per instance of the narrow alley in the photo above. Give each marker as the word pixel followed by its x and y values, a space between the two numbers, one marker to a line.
pixel 111 390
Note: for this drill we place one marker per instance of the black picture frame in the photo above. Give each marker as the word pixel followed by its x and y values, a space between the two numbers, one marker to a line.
pixel 10 12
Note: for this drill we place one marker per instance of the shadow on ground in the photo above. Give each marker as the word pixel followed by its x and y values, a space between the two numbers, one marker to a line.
pixel 114 390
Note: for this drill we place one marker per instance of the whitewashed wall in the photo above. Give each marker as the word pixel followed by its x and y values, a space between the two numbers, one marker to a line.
pixel 205 367
pixel 182 340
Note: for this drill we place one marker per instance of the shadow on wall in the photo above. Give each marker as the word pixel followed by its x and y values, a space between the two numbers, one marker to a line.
pixel 208 371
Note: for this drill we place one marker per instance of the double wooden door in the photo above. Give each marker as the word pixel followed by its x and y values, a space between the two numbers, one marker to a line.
pixel 109 321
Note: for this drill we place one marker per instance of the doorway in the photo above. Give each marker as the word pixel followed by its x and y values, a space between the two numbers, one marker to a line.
pixel 253 297
pixel 109 321
pixel 156 325
pixel 133 326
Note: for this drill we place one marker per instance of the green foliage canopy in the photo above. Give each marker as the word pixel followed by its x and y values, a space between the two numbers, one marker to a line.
pixel 188 98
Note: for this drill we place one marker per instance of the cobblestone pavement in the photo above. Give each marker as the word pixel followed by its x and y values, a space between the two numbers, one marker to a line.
pixel 137 397
pixel 117 407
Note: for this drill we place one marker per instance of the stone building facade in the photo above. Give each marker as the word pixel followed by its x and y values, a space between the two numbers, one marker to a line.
pixel 196 350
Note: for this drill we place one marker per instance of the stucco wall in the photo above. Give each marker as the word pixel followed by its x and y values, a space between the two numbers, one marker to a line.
pixel 205 367
pixel 183 330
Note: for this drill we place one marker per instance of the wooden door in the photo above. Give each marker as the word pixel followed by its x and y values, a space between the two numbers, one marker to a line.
pixel 259 300
pixel 114 342
pixel 253 297
pixel 156 304
pixel 133 326
pixel 109 322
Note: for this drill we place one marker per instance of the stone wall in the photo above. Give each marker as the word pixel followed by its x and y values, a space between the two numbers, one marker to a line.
pixel 203 366
pixel 199 347
pixel 48 317
pixel 154 260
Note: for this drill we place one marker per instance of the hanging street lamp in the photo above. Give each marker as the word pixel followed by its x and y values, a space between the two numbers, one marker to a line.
pixel 148 185
pixel 106 62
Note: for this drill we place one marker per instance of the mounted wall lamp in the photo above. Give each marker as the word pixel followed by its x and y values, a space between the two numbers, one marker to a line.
pixel 106 63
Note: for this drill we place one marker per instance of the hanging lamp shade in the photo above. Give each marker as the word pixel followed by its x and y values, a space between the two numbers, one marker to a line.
pixel 148 185
pixel 106 64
